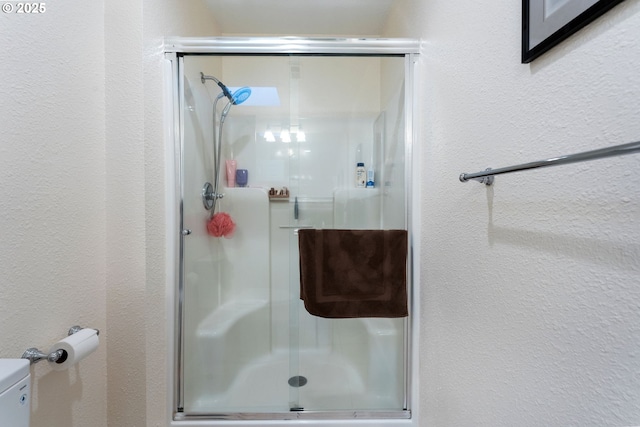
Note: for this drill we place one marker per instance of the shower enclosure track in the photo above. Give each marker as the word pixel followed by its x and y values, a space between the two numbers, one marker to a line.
pixel 292 45
pixel 299 415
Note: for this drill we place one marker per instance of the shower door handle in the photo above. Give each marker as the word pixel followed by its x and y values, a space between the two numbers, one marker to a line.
pixel 295 228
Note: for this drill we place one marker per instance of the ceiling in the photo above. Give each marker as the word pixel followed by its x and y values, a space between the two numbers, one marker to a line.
pixel 301 17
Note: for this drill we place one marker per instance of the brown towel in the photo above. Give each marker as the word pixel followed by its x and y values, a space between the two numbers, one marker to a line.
pixel 353 273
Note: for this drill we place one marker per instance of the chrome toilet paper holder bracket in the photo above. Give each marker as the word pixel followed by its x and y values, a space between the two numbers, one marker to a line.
pixel 34 355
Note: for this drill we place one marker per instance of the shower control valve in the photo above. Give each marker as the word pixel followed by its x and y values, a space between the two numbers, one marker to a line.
pixel 209 196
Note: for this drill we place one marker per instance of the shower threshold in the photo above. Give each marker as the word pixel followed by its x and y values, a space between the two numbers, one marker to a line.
pixel 298 415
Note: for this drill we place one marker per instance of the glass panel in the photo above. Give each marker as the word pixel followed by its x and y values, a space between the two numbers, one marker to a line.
pixel 226 288
pixel 249 343
pixel 349 364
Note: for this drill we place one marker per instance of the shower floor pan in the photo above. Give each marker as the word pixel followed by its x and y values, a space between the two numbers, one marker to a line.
pixel 264 387
pixel 252 378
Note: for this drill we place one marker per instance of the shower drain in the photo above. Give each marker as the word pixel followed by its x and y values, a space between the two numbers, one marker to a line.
pixel 297 381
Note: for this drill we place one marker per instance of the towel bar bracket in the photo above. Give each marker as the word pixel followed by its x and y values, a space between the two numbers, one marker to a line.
pixel 486 180
pixel 34 355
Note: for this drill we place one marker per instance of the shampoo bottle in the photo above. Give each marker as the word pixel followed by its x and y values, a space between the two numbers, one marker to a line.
pixel 361 175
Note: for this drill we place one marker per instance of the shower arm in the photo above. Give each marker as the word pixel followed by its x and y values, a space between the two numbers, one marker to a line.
pixel 225 89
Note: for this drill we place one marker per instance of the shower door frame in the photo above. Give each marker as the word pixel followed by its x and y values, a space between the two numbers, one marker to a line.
pixel 175 49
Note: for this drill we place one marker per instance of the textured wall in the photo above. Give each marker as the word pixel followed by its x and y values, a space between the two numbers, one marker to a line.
pixel 74 214
pixel 52 208
pixel 136 189
pixel 531 288
pixel 125 223
pixel 161 18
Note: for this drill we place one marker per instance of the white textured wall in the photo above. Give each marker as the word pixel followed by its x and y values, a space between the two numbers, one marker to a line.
pixel 136 189
pixel 125 222
pixel 161 18
pixel 531 288
pixel 81 172
pixel 52 207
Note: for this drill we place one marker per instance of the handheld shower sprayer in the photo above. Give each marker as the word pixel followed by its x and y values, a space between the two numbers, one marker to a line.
pixel 241 95
pixel 210 193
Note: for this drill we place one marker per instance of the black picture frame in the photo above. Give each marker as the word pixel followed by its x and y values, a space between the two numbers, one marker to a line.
pixel 574 17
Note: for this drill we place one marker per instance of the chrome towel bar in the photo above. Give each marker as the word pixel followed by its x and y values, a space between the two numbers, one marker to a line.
pixel 486 177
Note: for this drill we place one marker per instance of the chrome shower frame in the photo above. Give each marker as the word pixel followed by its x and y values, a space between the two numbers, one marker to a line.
pixel 175 49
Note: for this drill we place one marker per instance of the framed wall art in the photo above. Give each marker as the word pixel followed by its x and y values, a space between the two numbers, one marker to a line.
pixel 545 23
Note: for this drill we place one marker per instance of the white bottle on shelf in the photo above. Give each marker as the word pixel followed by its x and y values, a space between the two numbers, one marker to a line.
pixel 371 178
pixel 361 175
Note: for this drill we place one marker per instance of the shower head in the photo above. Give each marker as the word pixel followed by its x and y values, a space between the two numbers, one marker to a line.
pixel 240 95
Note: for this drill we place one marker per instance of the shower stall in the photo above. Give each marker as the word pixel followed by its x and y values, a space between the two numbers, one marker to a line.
pixel 299 115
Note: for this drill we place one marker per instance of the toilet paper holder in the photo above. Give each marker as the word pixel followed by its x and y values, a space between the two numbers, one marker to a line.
pixel 34 355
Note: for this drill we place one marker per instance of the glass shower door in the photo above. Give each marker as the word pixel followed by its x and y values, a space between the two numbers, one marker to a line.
pixel 226 334
pixel 346 364
pixel 249 346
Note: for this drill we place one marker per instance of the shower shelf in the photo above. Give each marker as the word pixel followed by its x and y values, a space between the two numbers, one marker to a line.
pixel 279 195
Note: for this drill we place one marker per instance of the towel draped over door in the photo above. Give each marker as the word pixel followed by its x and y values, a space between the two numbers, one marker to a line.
pixel 353 273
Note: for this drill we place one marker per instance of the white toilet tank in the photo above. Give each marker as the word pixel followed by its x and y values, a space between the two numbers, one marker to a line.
pixel 15 393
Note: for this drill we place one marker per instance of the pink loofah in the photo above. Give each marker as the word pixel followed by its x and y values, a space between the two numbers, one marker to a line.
pixel 221 225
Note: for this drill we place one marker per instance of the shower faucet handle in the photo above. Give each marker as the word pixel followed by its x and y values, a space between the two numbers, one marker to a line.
pixel 209 196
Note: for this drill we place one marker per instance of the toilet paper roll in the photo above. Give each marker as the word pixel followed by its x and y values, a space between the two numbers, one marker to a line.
pixel 76 347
